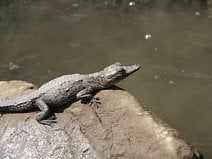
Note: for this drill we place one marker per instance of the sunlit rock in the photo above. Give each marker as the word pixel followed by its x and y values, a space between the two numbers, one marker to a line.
pixel 119 128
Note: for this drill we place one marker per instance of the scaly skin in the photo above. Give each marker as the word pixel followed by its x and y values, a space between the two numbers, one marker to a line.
pixel 64 89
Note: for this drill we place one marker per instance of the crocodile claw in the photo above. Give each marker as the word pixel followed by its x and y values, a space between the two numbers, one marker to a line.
pixel 94 101
pixel 50 121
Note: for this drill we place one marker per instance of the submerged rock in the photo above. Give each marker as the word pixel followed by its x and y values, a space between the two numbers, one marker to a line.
pixel 119 128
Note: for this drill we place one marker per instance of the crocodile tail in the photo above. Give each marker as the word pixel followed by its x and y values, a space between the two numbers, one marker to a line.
pixel 18 104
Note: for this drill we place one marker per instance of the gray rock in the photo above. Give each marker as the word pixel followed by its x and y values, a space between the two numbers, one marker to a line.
pixel 119 128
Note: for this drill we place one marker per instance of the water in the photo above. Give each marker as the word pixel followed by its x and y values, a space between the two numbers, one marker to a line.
pixel 41 40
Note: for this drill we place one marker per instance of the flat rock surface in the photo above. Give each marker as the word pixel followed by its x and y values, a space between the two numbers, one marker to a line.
pixel 120 128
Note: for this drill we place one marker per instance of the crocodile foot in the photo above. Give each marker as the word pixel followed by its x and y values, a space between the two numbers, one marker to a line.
pixel 49 121
pixel 95 101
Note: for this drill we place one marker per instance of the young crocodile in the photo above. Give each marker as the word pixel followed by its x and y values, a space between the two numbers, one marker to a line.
pixel 64 89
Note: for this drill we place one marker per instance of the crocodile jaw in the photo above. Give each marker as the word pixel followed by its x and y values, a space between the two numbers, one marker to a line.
pixel 131 69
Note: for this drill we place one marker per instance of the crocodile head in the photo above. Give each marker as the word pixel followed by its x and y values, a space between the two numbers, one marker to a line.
pixel 116 72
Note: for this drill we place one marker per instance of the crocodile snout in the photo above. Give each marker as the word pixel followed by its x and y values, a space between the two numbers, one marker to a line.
pixel 131 69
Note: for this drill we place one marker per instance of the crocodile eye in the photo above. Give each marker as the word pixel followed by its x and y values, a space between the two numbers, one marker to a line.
pixel 116 75
pixel 118 64
pixel 113 67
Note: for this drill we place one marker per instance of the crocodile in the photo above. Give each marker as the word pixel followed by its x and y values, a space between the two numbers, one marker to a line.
pixel 64 89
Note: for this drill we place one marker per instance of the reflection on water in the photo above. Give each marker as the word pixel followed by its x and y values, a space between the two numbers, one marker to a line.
pixel 41 40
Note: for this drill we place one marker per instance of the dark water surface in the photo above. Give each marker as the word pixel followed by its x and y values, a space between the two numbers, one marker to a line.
pixel 40 40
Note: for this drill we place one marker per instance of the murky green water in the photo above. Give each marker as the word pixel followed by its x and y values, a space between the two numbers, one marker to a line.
pixel 40 40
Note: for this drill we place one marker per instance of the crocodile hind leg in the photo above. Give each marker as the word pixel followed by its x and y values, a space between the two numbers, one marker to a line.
pixel 44 117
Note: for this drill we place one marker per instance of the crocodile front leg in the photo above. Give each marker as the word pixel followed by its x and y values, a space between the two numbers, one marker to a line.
pixel 44 117
pixel 86 96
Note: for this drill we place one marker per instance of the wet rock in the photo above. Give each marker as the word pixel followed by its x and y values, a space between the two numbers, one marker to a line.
pixel 119 128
